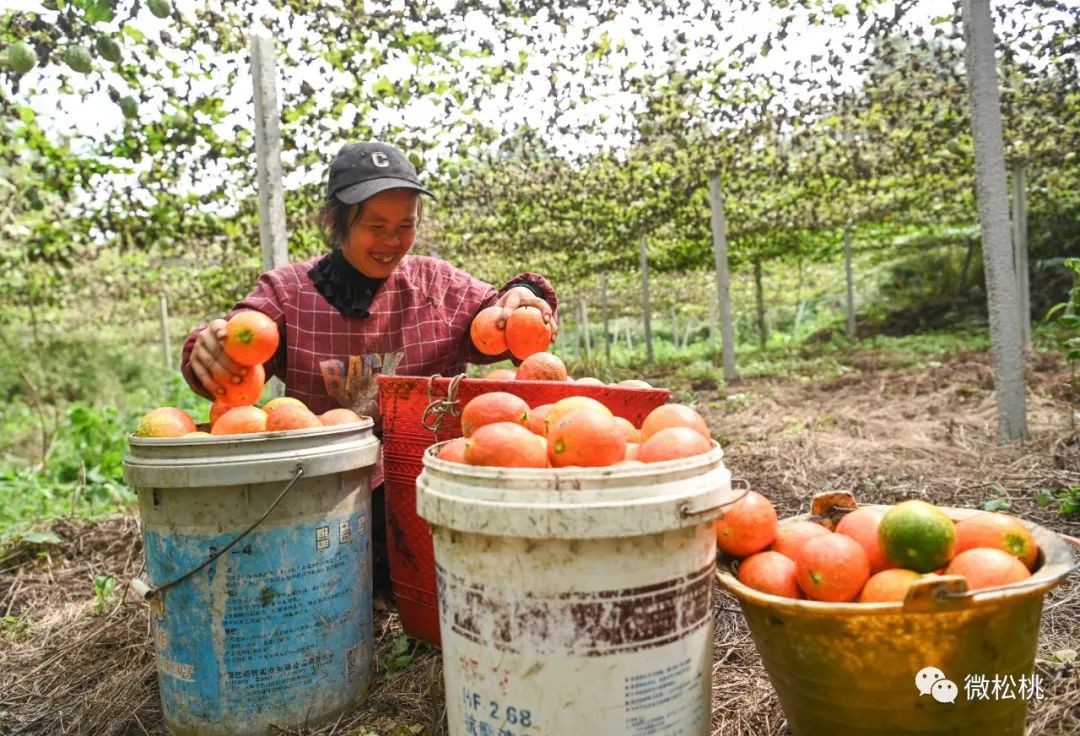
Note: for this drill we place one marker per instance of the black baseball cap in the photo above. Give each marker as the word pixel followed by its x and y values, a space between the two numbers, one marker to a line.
pixel 362 170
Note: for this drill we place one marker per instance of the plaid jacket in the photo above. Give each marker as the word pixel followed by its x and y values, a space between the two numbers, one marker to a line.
pixel 424 309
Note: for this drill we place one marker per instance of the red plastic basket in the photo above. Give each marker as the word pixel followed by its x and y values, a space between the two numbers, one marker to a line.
pixel 404 402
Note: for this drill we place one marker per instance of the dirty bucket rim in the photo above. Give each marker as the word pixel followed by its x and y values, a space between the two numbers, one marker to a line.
pixel 1050 575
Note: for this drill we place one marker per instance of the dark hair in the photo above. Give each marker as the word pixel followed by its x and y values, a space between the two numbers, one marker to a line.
pixel 335 223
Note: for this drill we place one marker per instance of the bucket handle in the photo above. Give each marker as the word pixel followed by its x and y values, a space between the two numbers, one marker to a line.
pixel 686 512
pixel 436 409
pixel 952 588
pixel 147 591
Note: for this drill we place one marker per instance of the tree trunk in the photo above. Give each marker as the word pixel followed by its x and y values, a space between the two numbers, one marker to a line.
pixel 1020 251
pixel 723 288
pixel 645 303
pixel 674 328
pixel 849 277
pixel 759 298
pixel 604 309
pixel 163 309
pixel 1005 334
pixel 584 306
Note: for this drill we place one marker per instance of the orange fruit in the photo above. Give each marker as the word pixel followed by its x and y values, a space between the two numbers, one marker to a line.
pixel 634 383
pixel 987 567
pixel 240 420
pixel 505 445
pixel 630 432
pixel 770 572
pixel 538 419
pixel 541 366
pixel 485 333
pixel 494 406
pixel 218 408
pixel 917 536
pixel 585 438
pixel 589 381
pixel 166 421
pixel 673 415
pixel 672 443
pixel 562 407
pixel 501 374
pixel 198 433
pixel 888 586
pixel 526 332
pixel 862 526
pixel 832 568
pixel 289 417
pixel 632 451
pixel 748 525
pixel 251 338
pixel 338 416
pixel 791 537
pixel 997 531
pixel 274 403
pixel 246 392
pixel 453 451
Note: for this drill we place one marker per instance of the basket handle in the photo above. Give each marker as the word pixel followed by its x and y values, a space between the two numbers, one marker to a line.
pixel 436 409
pixel 148 592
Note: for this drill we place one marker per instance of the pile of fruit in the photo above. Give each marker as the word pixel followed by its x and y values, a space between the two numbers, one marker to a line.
pixel 251 339
pixel 873 555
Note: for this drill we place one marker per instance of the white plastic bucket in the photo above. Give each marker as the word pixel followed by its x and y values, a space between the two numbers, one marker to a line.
pixel 576 601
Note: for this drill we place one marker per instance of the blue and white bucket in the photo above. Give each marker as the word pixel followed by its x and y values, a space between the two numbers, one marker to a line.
pixel 259 563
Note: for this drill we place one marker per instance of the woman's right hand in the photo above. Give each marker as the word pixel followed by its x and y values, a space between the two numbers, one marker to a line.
pixel 209 362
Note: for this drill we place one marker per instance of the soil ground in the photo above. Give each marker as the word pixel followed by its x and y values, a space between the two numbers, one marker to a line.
pixel 883 430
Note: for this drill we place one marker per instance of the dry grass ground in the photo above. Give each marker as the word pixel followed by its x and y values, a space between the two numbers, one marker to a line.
pixel 887 434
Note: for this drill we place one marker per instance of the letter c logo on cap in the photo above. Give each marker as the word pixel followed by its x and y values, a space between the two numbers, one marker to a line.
pixel 379 159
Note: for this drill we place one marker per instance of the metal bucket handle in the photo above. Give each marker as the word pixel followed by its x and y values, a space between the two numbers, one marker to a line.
pixel 438 408
pixel 146 591
pixel 687 513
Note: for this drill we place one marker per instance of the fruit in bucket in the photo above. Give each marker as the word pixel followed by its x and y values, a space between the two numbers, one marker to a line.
pixel 770 572
pixel 748 525
pixel 501 374
pixel 832 568
pixel 791 536
pixel 274 403
pixel 506 445
pixel 287 417
pixel 862 526
pixel 485 332
pixel 453 451
pixel 585 438
pixel 338 416
pixel 251 338
pixel 542 366
pixel 997 531
pixel 984 567
pixel 673 415
pixel 888 586
pixel 672 443
pixel 918 536
pixel 526 332
pixel 240 420
pixel 166 421
pixel 562 407
pixel 494 406
pixel 538 419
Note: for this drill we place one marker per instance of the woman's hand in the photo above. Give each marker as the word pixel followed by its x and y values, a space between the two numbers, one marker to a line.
pixel 522 296
pixel 209 362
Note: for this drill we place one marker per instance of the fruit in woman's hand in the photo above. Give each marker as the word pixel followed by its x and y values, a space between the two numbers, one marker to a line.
pixel 494 406
pixel 832 568
pixel 888 586
pixel 248 391
pixel 862 526
pixel 917 536
pixel 673 443
pixel 506 445
pixel 526 332
pixel 673 415
pixel 485 332
pixel 770 572
pixel 997 531
pixel 986 567
pixel 240 420
pixel 251 338
pixel 542 366
pixel 585 438
pixel 166 421
pixel 791 537
pixel 748 525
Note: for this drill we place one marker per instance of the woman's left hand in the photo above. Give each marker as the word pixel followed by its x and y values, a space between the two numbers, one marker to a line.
pixel 522 296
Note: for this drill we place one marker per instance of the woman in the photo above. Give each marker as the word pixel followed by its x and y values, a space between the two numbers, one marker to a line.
pixel 367 297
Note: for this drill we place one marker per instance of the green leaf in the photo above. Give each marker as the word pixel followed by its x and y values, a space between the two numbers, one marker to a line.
pixel 98 11
pixel 44 537
pixel 840 10
pixel 996 504
pixel 133 33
